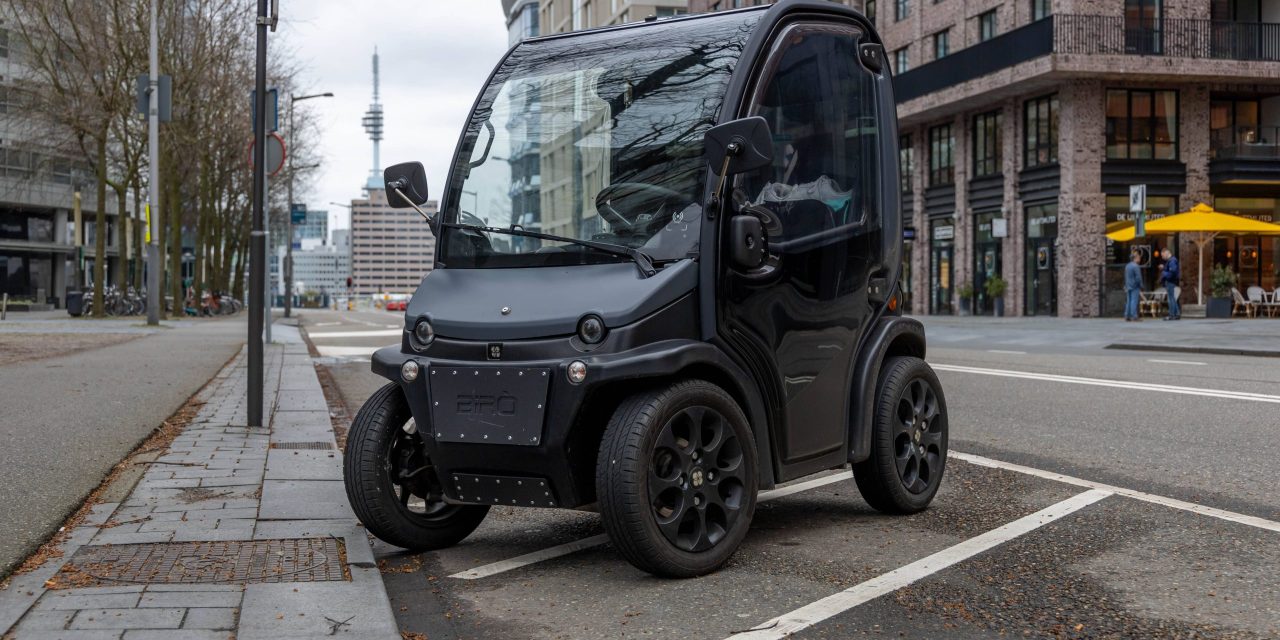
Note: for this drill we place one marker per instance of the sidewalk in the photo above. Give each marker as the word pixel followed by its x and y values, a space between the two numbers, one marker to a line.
pixel 1236 336
pixel 233 532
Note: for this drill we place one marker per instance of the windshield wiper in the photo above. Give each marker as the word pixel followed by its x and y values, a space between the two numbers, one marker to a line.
pixel 643 262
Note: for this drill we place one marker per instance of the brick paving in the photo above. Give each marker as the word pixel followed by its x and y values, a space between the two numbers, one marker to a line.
pixel 220 481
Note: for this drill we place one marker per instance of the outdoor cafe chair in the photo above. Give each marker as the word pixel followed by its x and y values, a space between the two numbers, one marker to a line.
pixel 1239 303
pixel 1151 302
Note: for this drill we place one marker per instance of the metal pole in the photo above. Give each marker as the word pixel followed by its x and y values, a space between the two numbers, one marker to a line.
pixel 258 236
pixel 153 189
pixel 287 271
pixel 266 272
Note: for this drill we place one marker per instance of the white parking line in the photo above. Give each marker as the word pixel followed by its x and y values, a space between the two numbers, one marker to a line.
pixel 1232 516
pixel 1158 361
pixel 1016 353
pixel 586 543
pixel 832 605
pixel 1122 384
pixel 342 352
pixel 356 334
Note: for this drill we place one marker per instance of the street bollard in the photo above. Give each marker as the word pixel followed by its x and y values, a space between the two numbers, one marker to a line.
pixel 4 307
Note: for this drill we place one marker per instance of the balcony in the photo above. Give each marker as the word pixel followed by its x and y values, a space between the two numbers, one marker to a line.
pixel 1249 157
pixel 1094 35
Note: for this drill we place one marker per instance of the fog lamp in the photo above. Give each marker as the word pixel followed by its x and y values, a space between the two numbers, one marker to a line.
pixel 591 329
pixel 409 371
pixel 423 333
pixel 577 371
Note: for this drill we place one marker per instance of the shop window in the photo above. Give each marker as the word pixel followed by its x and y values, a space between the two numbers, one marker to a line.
pixel 1142 125
pixel 987 155
pixel 942 166
pixel 1041 137
pixel 986 25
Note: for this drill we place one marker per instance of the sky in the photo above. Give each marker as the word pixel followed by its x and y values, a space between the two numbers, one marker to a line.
pixel 434 56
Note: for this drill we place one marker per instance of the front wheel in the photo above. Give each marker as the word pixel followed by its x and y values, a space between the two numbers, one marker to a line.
pixel 391 483
pixel 676 479
pixel 908 439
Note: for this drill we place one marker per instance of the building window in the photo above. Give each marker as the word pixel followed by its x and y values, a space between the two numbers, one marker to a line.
pixel 1041 131
pixel 987 157
pixel 900 9
pixel 942 166
pixel 870 10
pixel 1040 9
pixel 4 43
pixel 1142 125
pixel 4 99
pixel 987 26
pixel 901 60
pixel 1232 122
pixel 669 12
pixel 906 162
pixel 941 44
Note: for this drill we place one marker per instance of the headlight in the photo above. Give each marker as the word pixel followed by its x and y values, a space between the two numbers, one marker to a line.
pixel 423 334
pixel 409 371
pixel 591 329
pixel 577 371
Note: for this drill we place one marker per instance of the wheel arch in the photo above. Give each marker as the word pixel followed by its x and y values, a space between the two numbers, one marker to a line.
pixel 892 336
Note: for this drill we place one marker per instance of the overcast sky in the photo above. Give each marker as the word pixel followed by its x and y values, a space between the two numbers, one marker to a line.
pixel 434 56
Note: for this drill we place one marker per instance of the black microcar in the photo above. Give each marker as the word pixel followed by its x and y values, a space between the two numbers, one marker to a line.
pixel 667 278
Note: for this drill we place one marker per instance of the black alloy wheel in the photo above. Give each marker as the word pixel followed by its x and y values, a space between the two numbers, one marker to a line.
pixel 908 439
pixel 676 479
pixel 696 479
pixel 391 483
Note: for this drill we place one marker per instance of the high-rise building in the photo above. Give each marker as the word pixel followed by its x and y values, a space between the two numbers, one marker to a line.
pixel 560 16
pixel 1023 124
pixel 37 231
pixel 314 227
pixel 391 249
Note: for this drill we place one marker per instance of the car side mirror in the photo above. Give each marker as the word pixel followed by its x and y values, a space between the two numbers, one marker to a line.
pixel 406 184
pixel 738 146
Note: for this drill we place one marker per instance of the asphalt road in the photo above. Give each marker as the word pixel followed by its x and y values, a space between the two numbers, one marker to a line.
pixel 66 420
pixel 1182 540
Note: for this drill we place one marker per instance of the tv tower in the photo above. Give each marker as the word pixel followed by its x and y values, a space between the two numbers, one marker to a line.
pixel 373 126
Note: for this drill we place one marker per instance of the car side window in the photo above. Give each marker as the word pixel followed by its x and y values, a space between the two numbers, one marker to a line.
pixel 820 105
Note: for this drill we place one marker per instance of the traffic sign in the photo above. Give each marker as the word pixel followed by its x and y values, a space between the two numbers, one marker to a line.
pixel 1138 207
pixel 275 153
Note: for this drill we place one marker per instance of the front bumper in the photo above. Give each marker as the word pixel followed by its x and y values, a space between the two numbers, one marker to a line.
pixel 560 449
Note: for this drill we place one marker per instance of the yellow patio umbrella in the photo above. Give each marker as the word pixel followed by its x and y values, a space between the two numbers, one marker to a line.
pixel 1205 224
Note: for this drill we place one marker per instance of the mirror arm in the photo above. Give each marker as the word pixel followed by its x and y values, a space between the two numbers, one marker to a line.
pixel 730 151
pixel 424 214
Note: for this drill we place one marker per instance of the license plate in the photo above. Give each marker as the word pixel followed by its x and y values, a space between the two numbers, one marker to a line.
pixel 488 405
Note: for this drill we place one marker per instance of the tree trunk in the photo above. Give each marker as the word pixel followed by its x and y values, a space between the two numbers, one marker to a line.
pixel 122 232
pixel 139 238
pixel 176 288
pixel 100 231
pixel 242 255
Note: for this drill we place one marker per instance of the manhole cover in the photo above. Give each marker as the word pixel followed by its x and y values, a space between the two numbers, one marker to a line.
pixel 301 445
pixel 221 562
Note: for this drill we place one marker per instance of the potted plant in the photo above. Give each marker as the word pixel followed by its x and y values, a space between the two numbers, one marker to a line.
pixel 965 291
pixel 995 286
pixel 1221 281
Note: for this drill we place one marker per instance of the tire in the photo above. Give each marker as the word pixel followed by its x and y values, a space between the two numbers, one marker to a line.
pixel 367 469
pixel 706 479
pixel 898 478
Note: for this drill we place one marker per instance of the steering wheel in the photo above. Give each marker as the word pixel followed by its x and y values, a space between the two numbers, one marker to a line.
pixel 632 196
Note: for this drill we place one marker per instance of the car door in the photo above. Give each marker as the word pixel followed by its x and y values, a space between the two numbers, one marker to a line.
pixel 798 319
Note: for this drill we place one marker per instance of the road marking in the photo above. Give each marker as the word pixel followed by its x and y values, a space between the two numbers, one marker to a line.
pixel 1016 353
pixel 567 548
pixel 1231 516
pixel 340 352
pixel 887 583
pixel 326 324
pixel 356 334
pixel 1175 361
pixel 1122 384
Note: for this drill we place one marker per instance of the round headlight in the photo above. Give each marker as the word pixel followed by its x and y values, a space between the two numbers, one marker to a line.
pixel 591 329
pixel 577 371
pixel 423 333
pixel 409 371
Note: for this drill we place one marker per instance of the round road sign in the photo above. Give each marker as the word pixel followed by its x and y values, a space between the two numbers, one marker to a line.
pixel 275 153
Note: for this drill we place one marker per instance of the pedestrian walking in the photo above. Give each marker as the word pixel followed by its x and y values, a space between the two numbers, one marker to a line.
pixel 1132 286
pixel 1171 275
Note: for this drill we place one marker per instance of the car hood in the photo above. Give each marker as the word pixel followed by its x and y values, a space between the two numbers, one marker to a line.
pixel 468 304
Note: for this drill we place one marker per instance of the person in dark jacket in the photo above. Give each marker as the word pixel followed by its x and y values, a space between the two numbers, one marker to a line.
pixel 1132 286
pixel 1171 275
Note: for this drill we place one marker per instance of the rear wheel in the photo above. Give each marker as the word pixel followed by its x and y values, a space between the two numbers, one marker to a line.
pixel 676 479
pixel 908 439
pixel 391 483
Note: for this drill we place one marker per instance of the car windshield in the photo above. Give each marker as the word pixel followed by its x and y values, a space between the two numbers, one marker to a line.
pixel 596 136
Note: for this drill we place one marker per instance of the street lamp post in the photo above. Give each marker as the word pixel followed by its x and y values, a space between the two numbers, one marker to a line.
pixel 288 251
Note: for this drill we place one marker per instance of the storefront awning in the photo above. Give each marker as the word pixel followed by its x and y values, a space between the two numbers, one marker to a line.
pixel 1200 219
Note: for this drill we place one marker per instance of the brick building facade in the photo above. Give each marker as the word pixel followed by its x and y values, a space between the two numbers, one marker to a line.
pixel 1033 118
